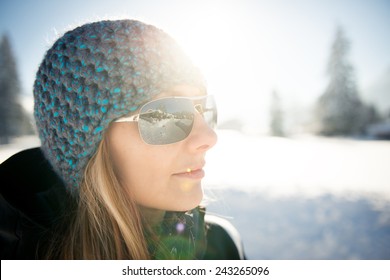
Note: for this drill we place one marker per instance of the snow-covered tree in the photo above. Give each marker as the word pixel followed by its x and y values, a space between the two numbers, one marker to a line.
pixel 340 110
pixel 13 119
pixel 276 116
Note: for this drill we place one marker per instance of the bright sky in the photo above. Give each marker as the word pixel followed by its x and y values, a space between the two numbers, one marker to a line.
pixel 245 48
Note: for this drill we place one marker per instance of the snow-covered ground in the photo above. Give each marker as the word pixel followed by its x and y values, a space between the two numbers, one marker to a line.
pixel 306 166
pixel 17 145
pixel 304 197
pixel 297 198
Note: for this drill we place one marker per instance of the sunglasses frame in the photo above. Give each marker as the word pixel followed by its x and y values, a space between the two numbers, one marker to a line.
pixel 197 108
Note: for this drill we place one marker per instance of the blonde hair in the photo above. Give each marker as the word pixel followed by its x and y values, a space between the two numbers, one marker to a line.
pixel 107 223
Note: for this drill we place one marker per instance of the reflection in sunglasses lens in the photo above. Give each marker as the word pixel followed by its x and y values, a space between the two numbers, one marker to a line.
pixel 166 121
pixel 170 120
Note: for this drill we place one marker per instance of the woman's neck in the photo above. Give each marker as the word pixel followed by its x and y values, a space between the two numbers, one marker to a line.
pixel 153 217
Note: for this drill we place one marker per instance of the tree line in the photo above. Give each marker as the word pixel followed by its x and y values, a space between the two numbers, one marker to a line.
pixel 339 111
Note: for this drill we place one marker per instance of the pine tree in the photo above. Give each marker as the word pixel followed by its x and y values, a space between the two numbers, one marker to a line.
pixel 13 119
pixel 339 110
pixel 276 116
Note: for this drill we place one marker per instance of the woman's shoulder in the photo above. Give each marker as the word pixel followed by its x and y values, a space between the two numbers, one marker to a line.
pixel 27 180
pixel 27 170
pixel 223 239
pixel 31 196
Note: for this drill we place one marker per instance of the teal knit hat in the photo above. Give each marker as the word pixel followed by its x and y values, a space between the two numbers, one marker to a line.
pixel 95 74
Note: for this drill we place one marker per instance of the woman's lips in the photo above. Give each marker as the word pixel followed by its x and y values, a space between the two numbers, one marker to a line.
pixel 196 174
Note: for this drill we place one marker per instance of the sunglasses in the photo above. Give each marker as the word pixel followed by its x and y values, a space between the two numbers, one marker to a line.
pixel 171 119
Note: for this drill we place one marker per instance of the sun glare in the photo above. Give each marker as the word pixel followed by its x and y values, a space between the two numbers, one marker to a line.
pixel 235 59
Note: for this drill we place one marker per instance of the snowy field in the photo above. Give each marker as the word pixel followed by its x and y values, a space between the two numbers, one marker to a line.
pixel 297 198
pixel 305 166
pixel 303 198
pixel 17 145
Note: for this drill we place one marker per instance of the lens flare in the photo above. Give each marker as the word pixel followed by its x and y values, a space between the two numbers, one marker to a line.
pixel 180 227
pixel 186 187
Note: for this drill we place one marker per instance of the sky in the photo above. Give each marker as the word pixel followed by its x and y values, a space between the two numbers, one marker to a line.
pixel 246 49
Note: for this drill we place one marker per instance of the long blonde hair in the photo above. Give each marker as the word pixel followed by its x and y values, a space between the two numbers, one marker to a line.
pixel 107 223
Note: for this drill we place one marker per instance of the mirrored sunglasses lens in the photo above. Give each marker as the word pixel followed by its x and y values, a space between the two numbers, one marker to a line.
pixel 206 107
pixel 166 121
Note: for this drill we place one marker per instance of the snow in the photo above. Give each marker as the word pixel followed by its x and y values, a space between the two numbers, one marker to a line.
pixel 303 197
pixel 307 166
pixel 17 145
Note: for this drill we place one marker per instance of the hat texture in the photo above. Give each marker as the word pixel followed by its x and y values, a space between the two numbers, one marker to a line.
pixel 95 74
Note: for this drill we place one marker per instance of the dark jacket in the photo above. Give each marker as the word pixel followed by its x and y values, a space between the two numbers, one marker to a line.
pixel 32 203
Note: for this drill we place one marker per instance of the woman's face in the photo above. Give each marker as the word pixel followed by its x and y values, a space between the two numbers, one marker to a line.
pixel 157 176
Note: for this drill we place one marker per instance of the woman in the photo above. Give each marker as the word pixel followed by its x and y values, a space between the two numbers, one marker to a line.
pixel 125 122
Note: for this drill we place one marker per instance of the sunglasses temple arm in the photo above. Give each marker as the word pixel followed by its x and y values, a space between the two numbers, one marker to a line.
pixel 134 118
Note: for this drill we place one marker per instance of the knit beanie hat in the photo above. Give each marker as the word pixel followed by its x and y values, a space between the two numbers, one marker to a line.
pixel 95 74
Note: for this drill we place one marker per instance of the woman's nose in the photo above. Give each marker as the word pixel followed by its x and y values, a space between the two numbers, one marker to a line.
pixel 202 136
